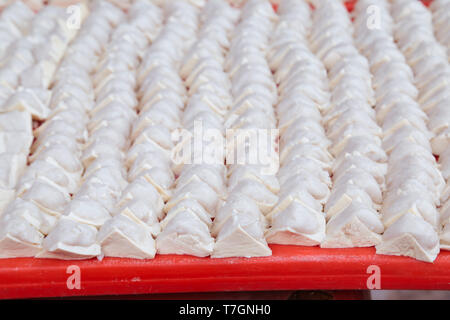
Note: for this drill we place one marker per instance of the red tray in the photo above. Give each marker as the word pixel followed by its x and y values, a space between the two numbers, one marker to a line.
pixel 289 268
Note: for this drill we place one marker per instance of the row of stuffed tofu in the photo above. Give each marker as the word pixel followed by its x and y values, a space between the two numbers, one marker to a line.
pixel 359 112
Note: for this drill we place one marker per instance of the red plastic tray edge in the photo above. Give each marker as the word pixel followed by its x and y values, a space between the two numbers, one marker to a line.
pixel 290 268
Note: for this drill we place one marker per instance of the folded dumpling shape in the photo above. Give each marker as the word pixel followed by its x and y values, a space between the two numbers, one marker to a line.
pixel 410 236
pixel 241 236
pixel 41 221
pixel 123 237
pixel 356 226
pixel 70 240
pixel 35 101
pixel 258 192
pixel 297 225
pixel 88 212
pixel 18 237
pixel 185 233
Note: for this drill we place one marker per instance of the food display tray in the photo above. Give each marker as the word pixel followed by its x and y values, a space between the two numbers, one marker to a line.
pixel 289 268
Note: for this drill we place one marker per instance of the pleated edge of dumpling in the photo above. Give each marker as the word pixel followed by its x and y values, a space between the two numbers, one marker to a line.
pixel 349 233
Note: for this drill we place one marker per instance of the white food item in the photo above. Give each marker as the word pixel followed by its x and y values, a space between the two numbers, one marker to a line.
pixel 444 161
pixel 152 160
pixel 16 121
pixel 143 191
pixel 18 238
pixel 60 155
pixel 35 101
pixel 123 237
pixel 117 165
pixel 49 197
pixel 359 169
pixel 241 236
pixel 297 225
pixel 253 172
pixel 236 203
pixel 445 221
pixel 258 192
pixel 356 226
pixel 40 220
pixel 188 205
pixel 239 223
pixel 12 167
pixel 87 211
pixel 185 234
pixel 413 183
pixel 45 171
pixel 348 161
pixel 440 10
pixel 202 173
pixel 410 236
pixel 70 240
pixel 196 190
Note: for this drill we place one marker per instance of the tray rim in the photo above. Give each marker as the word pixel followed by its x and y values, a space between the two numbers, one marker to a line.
pixel 289 268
